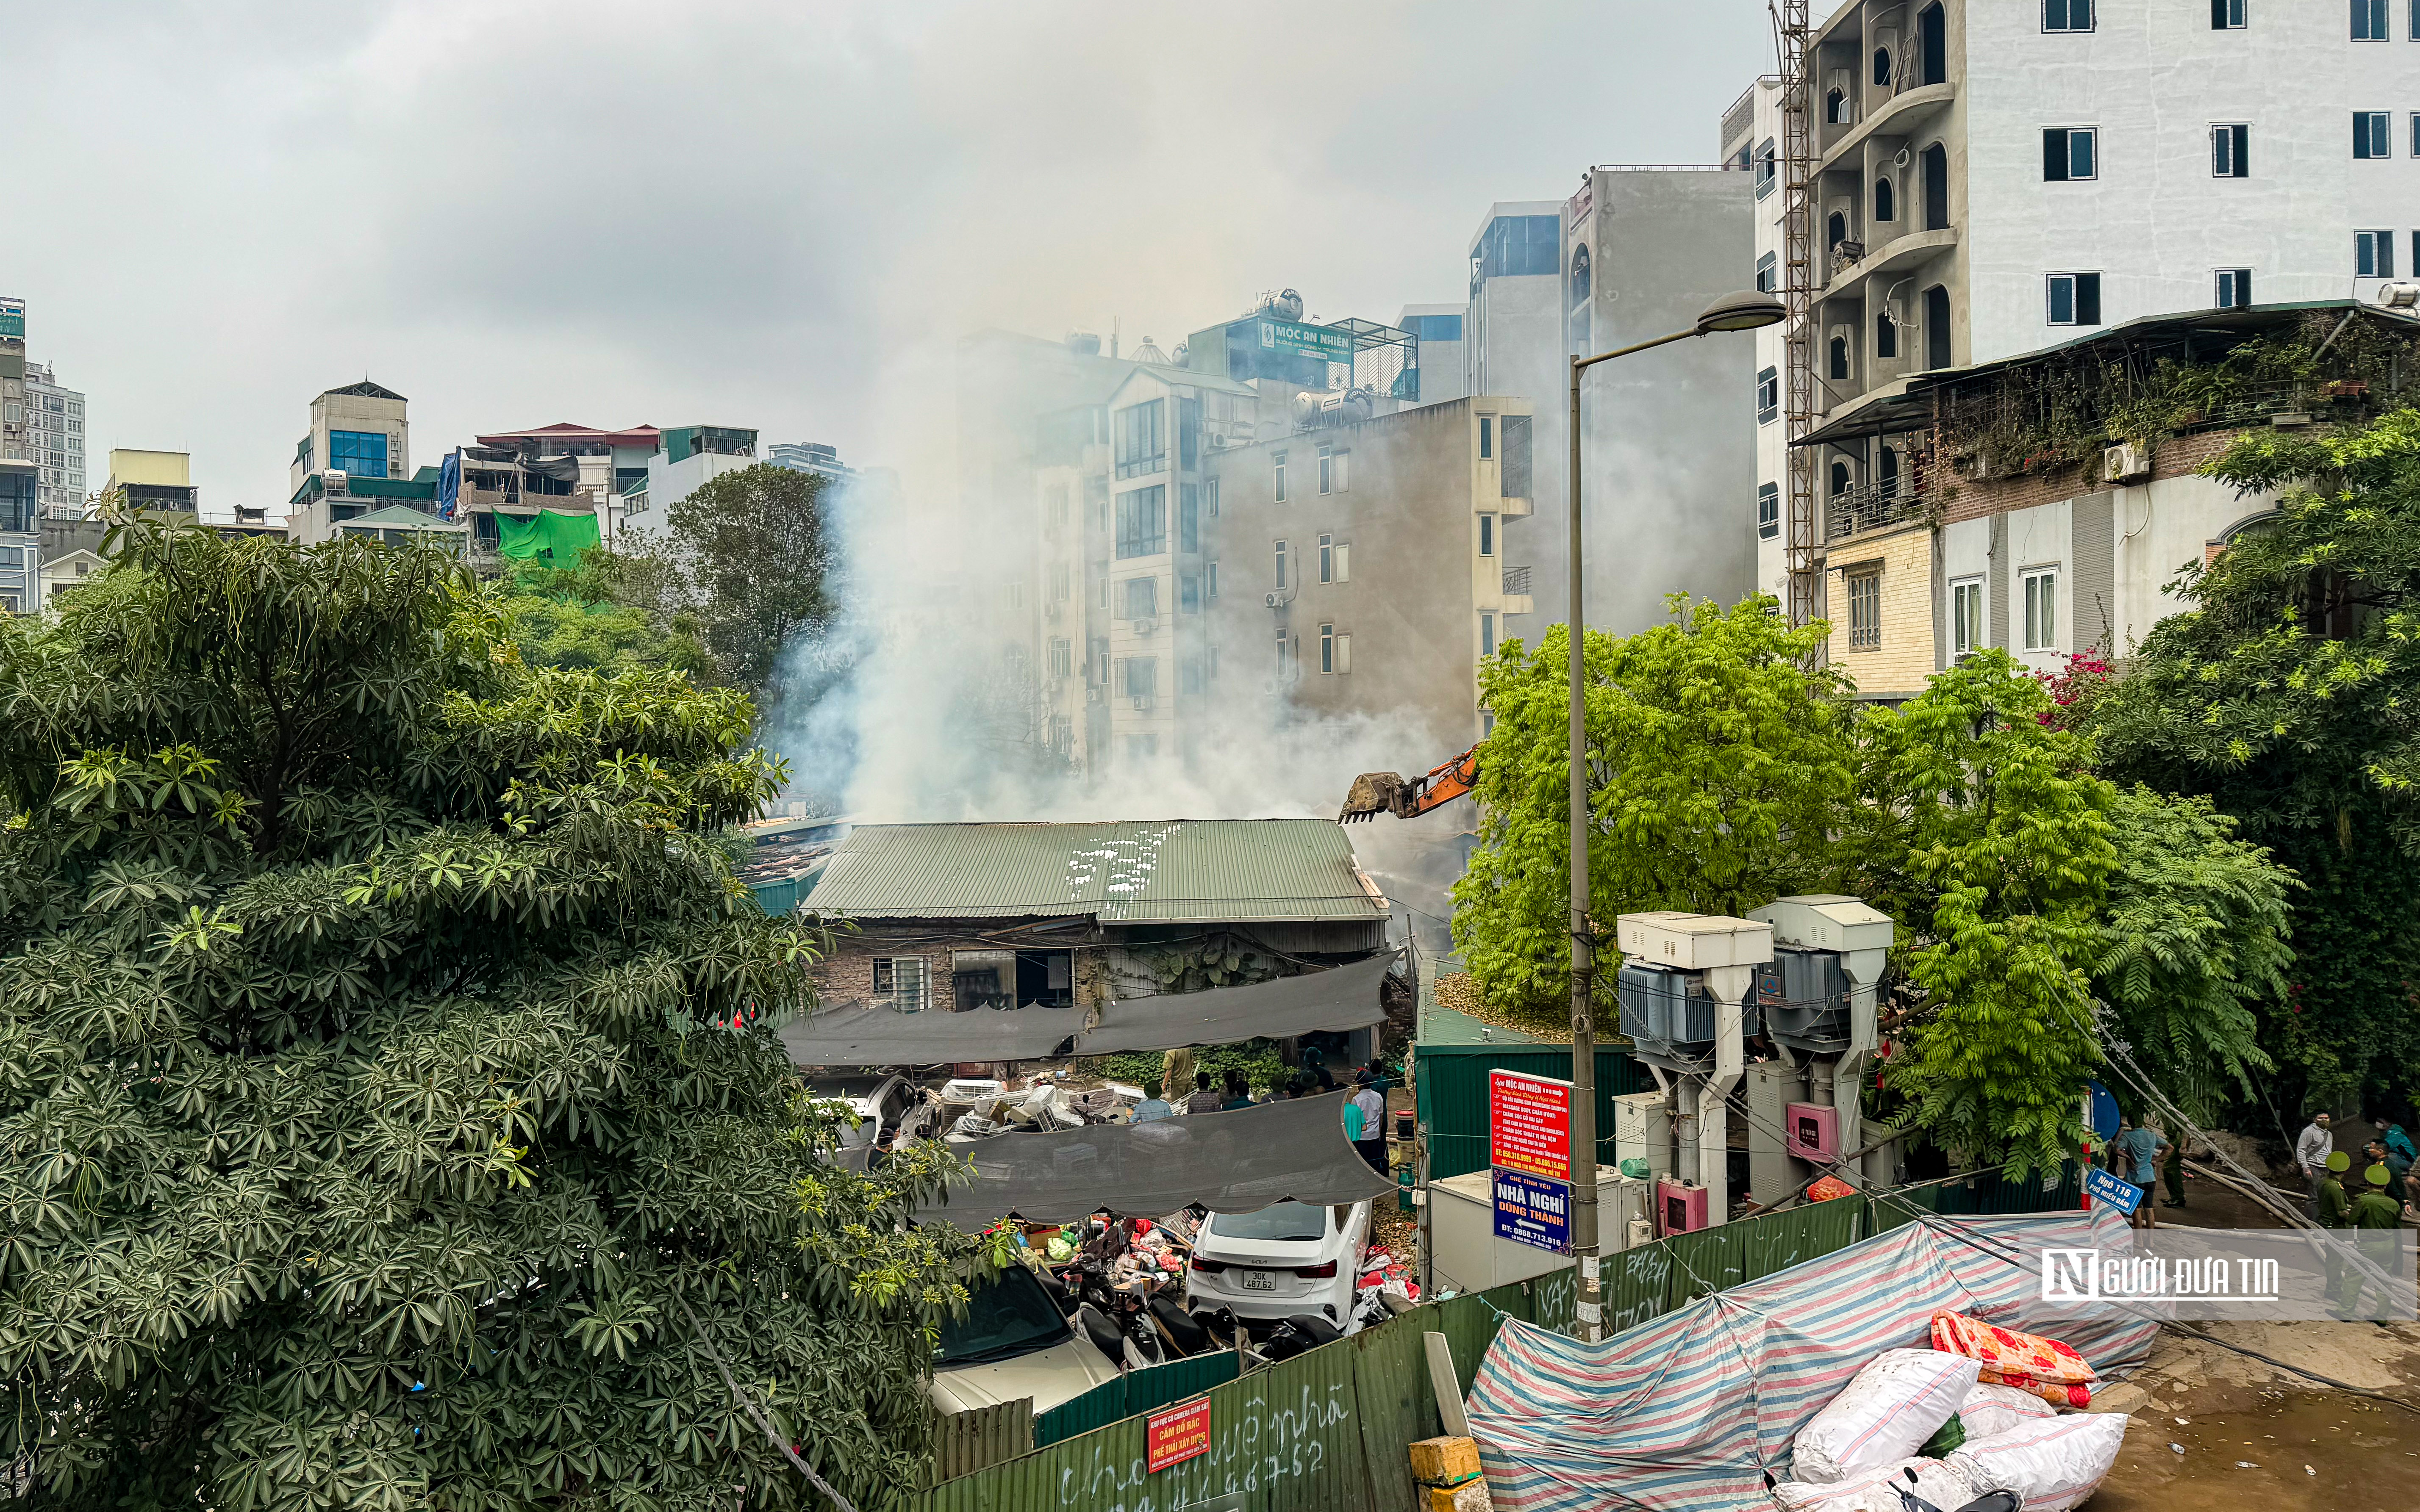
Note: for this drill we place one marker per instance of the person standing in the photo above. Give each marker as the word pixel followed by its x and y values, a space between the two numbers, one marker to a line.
pixel 2311 1152
pixel 2135 1156
pixel 2332 1208
pixel 1371 1139
pixel 1239 1094
pixel 2172 1175
pixel 1203 1099
pixel 2373 1209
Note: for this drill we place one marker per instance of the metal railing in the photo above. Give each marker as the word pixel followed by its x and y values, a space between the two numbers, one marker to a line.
pixel 1517 580
pixel 1871 506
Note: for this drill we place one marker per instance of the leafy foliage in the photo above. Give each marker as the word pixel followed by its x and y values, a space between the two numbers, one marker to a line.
pixel 2197 935
pixel 612 610
pixel 1988 838
pixel 756 545
pixel 384 1069
pixel 1718 766
pixel 2290 695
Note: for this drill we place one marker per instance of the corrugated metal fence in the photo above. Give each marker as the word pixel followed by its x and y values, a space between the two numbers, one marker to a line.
pixel 1451 1082
pixel 1137 1391
pixel 964 1443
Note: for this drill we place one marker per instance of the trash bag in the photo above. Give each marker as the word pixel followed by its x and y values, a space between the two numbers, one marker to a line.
pixel 1882 1414
pixel 2054 1464
pixel 1991 1408
pixel 1909 1485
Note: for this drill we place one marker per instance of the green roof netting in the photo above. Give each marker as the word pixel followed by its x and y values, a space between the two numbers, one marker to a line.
pixel 560 537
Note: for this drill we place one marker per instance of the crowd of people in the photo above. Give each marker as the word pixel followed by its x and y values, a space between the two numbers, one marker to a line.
pixel 1364 1111
pixel 2381 1174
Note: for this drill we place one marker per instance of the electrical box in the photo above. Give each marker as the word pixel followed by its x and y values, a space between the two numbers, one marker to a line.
pixel 1642 1130
pixel 1825 921
pixel 1814 1130
pixel 1680 1207
pixel 1694 942
pixel 1668 1012
pixel 1804 997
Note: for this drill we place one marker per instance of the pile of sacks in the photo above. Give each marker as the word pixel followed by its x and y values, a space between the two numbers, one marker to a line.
pixel 1943 1431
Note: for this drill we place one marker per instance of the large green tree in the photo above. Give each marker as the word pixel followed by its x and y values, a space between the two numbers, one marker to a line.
pixel 390 1113
pixel 1718 768
pixel 2290 695
pixel 611 610
pixel 757 546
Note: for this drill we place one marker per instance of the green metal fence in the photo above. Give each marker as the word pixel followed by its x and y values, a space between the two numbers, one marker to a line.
pixel 1450 1083
pixel 1137 1391
pixel 781 895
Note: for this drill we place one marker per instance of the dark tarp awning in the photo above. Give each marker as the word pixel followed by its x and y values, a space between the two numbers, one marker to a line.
pixel 884 1037
pixel 1237 1162
pixel 1341 997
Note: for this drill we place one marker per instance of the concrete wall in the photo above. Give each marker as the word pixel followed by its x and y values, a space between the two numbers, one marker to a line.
pixel 1444 374
pixel 1897 667
pixel 1514 343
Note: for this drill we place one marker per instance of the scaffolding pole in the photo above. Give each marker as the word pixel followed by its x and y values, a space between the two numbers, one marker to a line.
pixel 1798 296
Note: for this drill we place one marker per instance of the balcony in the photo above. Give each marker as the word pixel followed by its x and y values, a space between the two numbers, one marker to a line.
pixel 1516 582
pixel 1881 259
pixel 1897 116
pixel 1872 506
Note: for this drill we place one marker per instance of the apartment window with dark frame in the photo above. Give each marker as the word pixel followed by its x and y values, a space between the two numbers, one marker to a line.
pixel 1326 648
pixel 2226 15
pixel 1188 594
pixel 1768 511
pixel 1864 609
pixel 2233 287
pixel 1143 521
pixel 2069 153
pixel 1327 558
pixel 2371 135
pixel 2373 253
pixel 1767 167
pixel 1966 617
pixel 2230 151
pixel 1140 599
pixel 1189 433
pixel 1487 437
pixel 2040 587
pixel 2074 298
pixel 1282 566
pixel 1142 438
pixel 2067 15
pixel 1840 352
pixel 903 983
pixel 1277 465
pixel 1764 273
pixel 1885 337
pixel 1768 395
pixel 2415 115
pixel 2369 21
pixel 1486 535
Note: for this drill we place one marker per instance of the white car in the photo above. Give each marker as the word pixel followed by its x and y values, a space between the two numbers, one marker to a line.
pixel 880 1101
pixel 1292 1258
pixel 1014 1343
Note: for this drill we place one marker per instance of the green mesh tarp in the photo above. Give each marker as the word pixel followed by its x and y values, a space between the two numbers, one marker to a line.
pixel 557 537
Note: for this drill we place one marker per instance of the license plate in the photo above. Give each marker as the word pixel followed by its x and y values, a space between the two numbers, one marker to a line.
pixel 1260 1281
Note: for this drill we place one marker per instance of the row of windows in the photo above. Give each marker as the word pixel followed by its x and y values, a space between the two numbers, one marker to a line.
pixel 2369 21
pixel 2072 154
pixel 2369 17
pixel 2037 588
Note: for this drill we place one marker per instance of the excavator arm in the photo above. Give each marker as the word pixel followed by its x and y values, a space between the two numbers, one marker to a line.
pixel 1377 792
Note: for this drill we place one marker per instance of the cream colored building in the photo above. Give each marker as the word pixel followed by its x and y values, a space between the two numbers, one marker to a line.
pixel 358 430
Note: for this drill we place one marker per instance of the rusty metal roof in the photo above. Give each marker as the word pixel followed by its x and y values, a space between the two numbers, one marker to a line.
pixel 1178 870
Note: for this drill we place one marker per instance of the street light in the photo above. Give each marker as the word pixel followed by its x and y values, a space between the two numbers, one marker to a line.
pixel 1731 312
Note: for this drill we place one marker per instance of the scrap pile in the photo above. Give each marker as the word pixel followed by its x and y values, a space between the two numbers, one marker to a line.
pixel 1969 1423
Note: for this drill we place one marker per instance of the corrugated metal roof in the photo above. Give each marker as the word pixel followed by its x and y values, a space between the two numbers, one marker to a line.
pixel 1178 870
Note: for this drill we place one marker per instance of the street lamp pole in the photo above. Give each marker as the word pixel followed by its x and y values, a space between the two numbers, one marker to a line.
pixel 1732 312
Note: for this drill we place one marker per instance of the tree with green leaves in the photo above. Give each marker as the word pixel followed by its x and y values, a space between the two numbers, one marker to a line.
pixel 1718 768
pixel 611 610
pixel 2290 695
pixel 757 547
pixel 1984 833
pixel 391 1115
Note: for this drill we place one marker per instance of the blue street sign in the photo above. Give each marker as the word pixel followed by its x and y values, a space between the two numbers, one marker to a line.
pixel 1532 1211
pixel 2107 1186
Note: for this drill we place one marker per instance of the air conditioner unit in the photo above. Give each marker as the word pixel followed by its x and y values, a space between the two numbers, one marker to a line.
pixel 1680 1207
pixel 1092 694
pixel 2124 463
pixel 1144 623
pixel 1811 1132
pixel 1142 702
pixel 1276 600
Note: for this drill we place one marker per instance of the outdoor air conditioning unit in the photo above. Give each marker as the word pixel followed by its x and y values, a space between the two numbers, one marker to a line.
pixel 1812 1133
pixel 1680 1207
pixel 1092 694
pixel 2124 463
pixel 1276 600
pixel 1142 702
pixel 1145 623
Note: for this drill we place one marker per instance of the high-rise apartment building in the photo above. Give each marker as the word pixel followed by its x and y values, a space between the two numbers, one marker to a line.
pixel 1990 179
pixel 54 438
pixel 21 482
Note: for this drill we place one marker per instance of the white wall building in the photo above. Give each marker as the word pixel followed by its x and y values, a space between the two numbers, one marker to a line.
pixel 56 439
pixel 1443 375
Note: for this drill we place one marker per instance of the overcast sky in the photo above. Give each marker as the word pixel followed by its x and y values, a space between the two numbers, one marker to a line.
pixel 778 215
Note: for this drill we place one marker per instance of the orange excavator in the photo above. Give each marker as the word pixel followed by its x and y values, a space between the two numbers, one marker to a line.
pixel 1377 792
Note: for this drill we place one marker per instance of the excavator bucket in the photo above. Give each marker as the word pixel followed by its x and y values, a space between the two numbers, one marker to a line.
pixel 1373 794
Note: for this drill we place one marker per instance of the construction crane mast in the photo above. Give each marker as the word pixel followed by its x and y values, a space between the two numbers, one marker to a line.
pixel 1798 296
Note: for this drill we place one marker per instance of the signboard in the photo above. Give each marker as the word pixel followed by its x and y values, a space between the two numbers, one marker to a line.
pixel 2106 1186
pixel 1529 1124
pixel 1306 341
pixel 1175 1434
pixel 1533 1211
pixel 12 318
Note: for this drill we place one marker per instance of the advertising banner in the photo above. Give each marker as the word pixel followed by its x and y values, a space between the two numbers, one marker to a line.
pixel 1529 1124
pixel 1532 1211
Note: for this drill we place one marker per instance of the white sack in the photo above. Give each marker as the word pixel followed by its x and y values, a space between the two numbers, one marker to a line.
pixel 1899 1400
pixel 2052 1465
pixel 1876 1488
pixel 1989 1410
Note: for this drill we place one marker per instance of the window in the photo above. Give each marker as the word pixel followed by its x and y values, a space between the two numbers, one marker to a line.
pixel 1188 593
pixel 1141 677
pixel 1057 504
pixel 2230 151
pixel 1865 610
pixel 1882 65
pixel 1840 477
pixel 2067 15
pixel 1839 371
pixel 1098 664
pixel 2369 137
pixel 1513 477
pixel 1765 272
pixel 1281 556
pixel 1766 163
pixel 1488 635
pixel 1142 438
pixel 1141 598
pixel 1063 657
pixel 1966 616
pixel 1486 437
pixel 1836 106
pixel 1768 511
pixel 1210 580
pixel 2415 149
pixel 2068 152
pixel 1210 490
pixel 1835 230
pixel 1932 42
pixel 1579 276
pixel 1326 648
pixel 1189 518
pixel 902 982
pixel 1327 558
pixel 1277 463
pixel 2373 253
pixel 1284 661
pixel 1886 471
pixel 2234 288
pixel 1097 502
pixel 2042 609
pixel 1143 521
pixel 2226 15
pixel 2369 21
pixel 1768 395
pixel 357 454
pixel 1936 322
pixel 2075 299
pixel 1937 188
pixel 1886 336
pixel 1189 433
pixel 1885 200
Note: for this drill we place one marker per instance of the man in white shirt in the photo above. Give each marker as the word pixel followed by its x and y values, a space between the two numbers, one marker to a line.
pixel 1372 1108
pixel 2311 1152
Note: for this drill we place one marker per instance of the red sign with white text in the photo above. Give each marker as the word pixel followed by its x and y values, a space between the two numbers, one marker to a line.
pixel 1529 1124
pixel 1175 1434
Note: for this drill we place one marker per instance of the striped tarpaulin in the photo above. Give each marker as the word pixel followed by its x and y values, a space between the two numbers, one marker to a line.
pixel 1686 1414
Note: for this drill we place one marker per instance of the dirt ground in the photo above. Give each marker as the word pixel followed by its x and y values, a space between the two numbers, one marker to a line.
pixel 2214 1430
